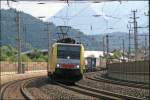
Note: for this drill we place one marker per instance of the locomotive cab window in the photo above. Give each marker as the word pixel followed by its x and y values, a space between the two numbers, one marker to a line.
pixel 65 51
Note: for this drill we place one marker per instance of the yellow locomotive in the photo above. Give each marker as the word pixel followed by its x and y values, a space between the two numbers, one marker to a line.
pixel 66 62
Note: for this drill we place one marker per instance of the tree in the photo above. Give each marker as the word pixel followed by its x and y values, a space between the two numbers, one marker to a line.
pixel 38 56
pixel 25 58
pixel 116 55
pixel 7 53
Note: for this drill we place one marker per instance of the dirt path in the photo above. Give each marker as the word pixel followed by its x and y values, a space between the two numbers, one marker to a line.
pixel 11 77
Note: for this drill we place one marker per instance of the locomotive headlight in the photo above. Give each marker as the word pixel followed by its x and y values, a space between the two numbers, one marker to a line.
pixel 77 66
pixel 58 65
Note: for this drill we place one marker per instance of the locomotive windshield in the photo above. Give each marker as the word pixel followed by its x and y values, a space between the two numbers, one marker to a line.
pixel 65 51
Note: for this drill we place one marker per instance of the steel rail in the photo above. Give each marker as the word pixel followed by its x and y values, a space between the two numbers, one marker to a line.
pixel 90 92
pixel 22 86
pixel 119 82
pixel 108 93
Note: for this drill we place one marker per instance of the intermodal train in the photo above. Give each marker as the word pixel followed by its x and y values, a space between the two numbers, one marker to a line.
pixel 90 65
pixel 66 61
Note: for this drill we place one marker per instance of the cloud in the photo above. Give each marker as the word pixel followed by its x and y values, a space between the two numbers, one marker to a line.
pixel 114 14
pixel 48 9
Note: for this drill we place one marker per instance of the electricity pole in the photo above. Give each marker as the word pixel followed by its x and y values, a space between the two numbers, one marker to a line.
pixel 129 45
pixel 145 44
pixel 148 25
pixel 103 46
pixel 145 41
pixel 123 48
pixel 135 33
pixel 18 42
pixel 107 44
pixel 48 32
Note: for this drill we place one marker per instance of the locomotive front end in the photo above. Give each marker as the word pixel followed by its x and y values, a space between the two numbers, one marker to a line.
pixel 67 62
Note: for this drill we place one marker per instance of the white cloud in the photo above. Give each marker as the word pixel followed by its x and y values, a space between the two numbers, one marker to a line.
pixel 99 9
pixel 48 9
pixel 111 11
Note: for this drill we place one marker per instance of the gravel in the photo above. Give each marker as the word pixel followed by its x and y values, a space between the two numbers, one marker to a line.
pixel 41 89
pixel 125 90
pixel 57 92
pixel 45 90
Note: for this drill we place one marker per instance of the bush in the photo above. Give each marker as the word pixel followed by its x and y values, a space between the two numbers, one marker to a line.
pixel 40 60
pixel 38 56
pixel 7 53
pixel 25 58
pixel 3 56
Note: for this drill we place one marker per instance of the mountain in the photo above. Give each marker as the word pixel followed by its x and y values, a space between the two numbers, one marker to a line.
pixel 100 18
pixel 34 32
pixel 80 16
pixel 116 40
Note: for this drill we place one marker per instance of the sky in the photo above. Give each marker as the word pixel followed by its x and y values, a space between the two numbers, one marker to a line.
pixel 33 8
pixel 114 15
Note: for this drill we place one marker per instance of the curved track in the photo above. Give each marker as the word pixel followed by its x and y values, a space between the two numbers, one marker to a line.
pixel 19 90
pixel 100 94
pixel 16 90
pixel 102 78
pixel 129 84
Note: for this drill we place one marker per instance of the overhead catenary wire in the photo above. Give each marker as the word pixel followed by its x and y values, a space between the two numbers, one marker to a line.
pixel 96 22
pixel 73 16
pixel 77 14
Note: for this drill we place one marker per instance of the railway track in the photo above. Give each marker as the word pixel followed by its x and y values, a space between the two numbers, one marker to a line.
pixel 19 90
pixel 100 94
pixel 108 94
pixel 100 78
pixel 130 84
pixel 16 90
